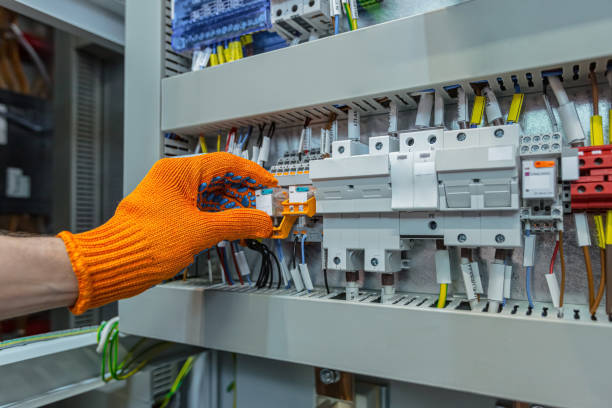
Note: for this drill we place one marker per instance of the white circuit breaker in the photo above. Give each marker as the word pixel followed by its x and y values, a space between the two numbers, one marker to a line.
pixel 300 19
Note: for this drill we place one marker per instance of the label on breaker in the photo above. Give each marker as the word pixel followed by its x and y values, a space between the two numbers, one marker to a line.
pixel 263 201
pixel 442 262
pixel 496 282
pixel 305 274
pixel 297 279
pixel 17 184
pixel 507 281
pixel 477 280
pixel 539 179
pixel 469 281
pixel 298 194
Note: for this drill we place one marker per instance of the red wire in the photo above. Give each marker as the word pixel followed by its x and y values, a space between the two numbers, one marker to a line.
pixel 227 279
pixel 552 259
pixel 236 263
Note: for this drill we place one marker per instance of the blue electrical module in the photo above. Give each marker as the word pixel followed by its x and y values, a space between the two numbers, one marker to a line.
pixel 200 23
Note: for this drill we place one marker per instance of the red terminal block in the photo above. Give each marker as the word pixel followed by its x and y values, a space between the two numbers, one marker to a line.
pixel 593 190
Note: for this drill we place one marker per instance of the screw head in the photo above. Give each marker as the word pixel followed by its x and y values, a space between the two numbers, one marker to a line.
pixel 433 225
pixel 379 146
pixel 461 136
pixel 374 261
pixel 499 133
pixel 461 238
pixel 410 141
pixel 432 139
pixel 337 261
pixel 499 238
pixel 328 376
pixel 341 149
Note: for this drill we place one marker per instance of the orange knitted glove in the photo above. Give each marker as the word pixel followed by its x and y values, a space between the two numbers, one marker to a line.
pixel 183 206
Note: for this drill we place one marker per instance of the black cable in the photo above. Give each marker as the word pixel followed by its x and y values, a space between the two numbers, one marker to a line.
pixel 261 134
pixel 325 277
pixel 266 271
pixel 272 130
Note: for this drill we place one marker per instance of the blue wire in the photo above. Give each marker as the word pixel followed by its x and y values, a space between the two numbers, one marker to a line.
pixel 303 257
pixel 229 273
pixel 337 25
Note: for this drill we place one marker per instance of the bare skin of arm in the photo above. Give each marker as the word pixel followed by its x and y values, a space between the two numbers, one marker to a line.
pixel 35 275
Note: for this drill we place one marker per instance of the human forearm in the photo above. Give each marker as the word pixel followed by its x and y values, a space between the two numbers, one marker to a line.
pixel 35 275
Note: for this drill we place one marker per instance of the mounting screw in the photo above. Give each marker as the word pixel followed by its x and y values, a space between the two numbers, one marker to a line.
pixel 341 149
pixel 374 261
pixel 410 141
pixel 337 261
pixel 379 146
pixel 432 139
pixel 499 133
pixel 433 225
pixel 461 136
pixel 461 238
pixel 499 238
pixel 328 376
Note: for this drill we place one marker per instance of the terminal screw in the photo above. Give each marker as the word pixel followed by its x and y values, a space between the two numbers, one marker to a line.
pixel 374 261
pixel 341 149
pixel 328 376
pixel 461 238
pixel 499 238
pixel 499 133
pixel 337 261
pixel 379 146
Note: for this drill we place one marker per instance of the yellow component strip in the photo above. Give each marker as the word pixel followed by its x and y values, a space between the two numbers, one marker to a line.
pixel 478 110
pixel 203 145
pixel 515 108
pixel 601 235
pixel 597 138
pixel 227 52
pixel 221 54
pixel 442 297
pixel 608 235
pixel 214 60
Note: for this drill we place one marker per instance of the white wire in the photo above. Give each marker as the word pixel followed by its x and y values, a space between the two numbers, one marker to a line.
pixel 105 333
pixel 26 45
pixel 557 88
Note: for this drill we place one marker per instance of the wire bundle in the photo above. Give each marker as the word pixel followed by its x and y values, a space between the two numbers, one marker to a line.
pixel 266 271
pixel 134 360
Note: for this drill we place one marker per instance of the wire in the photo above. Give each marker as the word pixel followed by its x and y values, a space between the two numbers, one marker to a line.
pixel 266 270
pixel 557 88
pixel 222 262
pixel 602 282
pixel 336 24
pixel 589 271
pixel 46 336
pixel 595 92
pixel 562 259
pixel 219 142
pixel 528 286
pixel 302 247
pixel 325 278
pixel 178 381
pixel 442 297
pixel 236 263
pixel 349 18
pixel 552 259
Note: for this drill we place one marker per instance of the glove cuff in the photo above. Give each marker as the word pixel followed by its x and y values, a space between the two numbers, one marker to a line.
pixel 110 262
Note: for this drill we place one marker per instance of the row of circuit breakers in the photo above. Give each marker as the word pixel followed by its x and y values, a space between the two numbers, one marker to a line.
pixel 474 187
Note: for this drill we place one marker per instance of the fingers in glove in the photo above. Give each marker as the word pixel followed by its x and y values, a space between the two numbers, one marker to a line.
pixel 235 224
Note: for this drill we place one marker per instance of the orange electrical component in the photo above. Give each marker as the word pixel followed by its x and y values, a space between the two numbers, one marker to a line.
pixel 291 211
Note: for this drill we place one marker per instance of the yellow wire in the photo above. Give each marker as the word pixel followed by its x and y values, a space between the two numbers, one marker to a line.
pixel 219 142
pixel 203 144
pixel 442 297
pixel 46 337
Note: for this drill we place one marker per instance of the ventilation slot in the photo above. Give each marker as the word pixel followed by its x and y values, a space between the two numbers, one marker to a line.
pixel 161 379
pixel 87 144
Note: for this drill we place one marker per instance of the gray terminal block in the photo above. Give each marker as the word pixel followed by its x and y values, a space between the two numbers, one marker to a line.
pixel 383 144
pixel 541 145
pixel 348 148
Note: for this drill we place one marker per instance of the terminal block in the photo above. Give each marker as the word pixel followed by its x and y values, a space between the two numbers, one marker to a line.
pixel 593 190
pixel 293 168
pixel 299 19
